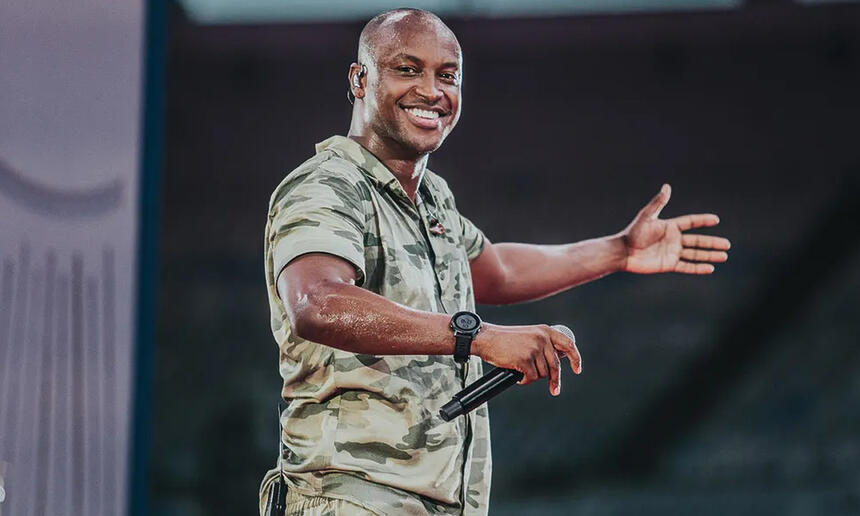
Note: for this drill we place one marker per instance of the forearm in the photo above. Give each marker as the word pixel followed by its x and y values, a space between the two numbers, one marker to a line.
pixel 347 317
pixel 530 272
pixel 324 305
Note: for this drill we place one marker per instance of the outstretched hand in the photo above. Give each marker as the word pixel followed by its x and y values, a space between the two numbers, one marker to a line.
pixel 660 245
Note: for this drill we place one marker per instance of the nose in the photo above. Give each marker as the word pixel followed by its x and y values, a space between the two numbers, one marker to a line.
pixel 428 88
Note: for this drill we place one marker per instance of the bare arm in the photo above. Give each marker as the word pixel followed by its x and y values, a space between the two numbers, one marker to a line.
pixel 324 305
pixel 511 273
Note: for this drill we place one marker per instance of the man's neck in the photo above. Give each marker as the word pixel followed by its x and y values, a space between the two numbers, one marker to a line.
pixel 408 168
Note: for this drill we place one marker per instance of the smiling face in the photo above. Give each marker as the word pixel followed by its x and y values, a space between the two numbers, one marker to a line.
pixel 414 74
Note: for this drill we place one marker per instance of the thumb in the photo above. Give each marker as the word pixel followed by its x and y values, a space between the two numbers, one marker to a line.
pixel 653 208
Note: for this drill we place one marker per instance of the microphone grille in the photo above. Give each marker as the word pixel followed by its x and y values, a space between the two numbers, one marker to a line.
pixel 565 330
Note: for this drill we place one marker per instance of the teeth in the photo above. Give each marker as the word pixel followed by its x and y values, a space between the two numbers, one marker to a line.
pixel 421 113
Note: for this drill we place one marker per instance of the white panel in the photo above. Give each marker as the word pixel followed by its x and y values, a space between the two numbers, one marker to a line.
pixel 261 11
pixel 70 81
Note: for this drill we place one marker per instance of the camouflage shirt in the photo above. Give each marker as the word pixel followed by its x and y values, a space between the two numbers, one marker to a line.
pixel 365 428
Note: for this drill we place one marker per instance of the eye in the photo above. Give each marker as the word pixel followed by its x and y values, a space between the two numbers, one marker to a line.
pixel 449 77
pixel 407 69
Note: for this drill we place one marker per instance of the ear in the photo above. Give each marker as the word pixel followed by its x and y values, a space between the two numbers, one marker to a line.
pixel 357 80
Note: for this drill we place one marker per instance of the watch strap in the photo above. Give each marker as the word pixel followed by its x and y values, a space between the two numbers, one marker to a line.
pixel 462 347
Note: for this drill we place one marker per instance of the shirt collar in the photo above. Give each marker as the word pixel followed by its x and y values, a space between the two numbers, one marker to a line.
pixel 351 150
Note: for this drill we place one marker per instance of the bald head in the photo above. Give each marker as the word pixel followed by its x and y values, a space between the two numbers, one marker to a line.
pixel 390 28
pixel 406 83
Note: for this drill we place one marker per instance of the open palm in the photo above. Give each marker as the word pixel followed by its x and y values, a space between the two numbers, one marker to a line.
pixel 660 245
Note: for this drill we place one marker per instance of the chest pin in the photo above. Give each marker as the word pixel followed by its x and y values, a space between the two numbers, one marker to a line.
pixel 436 226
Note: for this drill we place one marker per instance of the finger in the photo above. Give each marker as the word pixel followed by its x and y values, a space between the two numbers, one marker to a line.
pixel 529 373
pixel 705 242
pixel 541 365
pixel 554 364
pixel 534 374
pixel 575 360
pixel 694 268
pixel 653 208
pixel 568 348
pixel 698 255
pixel 697 220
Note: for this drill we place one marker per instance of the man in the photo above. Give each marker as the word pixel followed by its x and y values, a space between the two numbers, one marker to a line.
pixel 367 258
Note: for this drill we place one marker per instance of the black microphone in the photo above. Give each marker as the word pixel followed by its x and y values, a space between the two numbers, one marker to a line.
pixel 488 386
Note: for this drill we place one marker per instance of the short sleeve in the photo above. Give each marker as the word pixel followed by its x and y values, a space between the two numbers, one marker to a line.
pixel 321 212
pixel 473 238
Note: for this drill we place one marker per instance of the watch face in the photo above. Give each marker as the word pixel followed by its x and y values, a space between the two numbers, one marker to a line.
pixel 466 322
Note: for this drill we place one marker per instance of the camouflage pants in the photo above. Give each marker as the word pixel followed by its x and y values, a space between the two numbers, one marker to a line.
pixel 307 505
pixel 301 505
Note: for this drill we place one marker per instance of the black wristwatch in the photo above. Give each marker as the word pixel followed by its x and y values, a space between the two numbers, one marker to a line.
pixel 465 325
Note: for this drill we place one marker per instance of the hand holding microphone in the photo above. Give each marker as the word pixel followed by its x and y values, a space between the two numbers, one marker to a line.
pixel 522 354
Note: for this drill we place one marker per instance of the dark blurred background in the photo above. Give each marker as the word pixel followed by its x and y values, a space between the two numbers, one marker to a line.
pixel 736 393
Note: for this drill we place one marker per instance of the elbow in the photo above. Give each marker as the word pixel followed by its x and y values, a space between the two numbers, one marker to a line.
pixel 312 314
pixel 304 324
pixel 493 290
pixel 483 297
pixel 494 299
